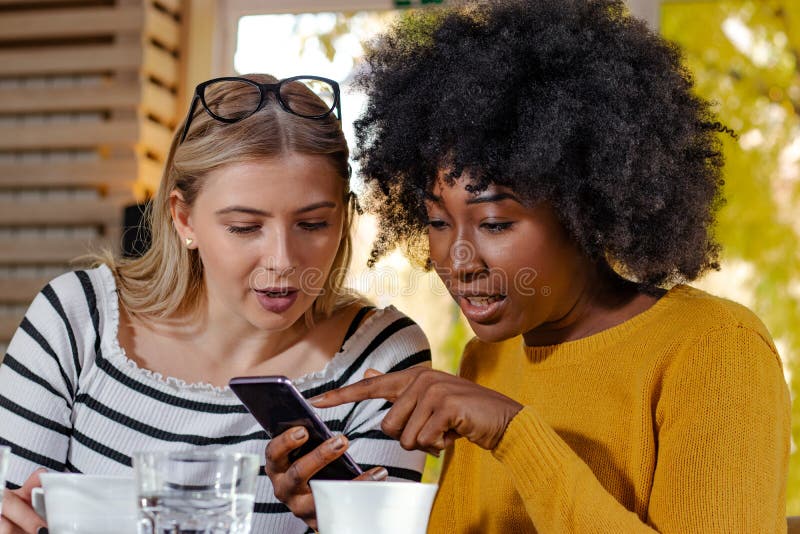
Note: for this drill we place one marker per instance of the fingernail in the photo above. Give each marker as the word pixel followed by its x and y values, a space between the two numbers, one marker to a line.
pixel 315 400
pixel 337 444
pixel 300 433
pixel 42 530
pixel 379 474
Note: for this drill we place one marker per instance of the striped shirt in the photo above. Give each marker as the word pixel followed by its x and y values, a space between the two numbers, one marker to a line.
pixel 70 400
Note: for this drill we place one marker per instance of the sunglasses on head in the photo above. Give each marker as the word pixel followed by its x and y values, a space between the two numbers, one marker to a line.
pixel 232 99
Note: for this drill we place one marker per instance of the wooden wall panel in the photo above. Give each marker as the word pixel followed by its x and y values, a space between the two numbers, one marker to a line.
pixel 8 323
pixel 50 60
pixel 52 251
pixel 21 291
pixel 57 174
pixel 65 23
pixel 88 105
pixel 72 212
pixel 68 134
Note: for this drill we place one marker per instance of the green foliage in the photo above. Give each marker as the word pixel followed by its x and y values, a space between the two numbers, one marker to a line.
pixel 746 58
pixel 327 40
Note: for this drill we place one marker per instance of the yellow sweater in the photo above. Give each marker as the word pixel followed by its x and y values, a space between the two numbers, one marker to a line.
pixel 675 421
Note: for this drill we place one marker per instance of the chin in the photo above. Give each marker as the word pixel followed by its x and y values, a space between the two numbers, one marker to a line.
pixel 266 321
pixel 493 333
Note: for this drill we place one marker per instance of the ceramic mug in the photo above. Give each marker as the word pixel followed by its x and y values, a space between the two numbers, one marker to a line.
pixel 364 507
pixel 86 504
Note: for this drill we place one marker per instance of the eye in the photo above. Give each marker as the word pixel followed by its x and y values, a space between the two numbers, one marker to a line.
pixel 242 230
pixel 312 226
pixel 496 227
pixel 436 224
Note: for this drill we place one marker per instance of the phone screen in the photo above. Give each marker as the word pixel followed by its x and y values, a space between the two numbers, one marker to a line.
pixel 278 406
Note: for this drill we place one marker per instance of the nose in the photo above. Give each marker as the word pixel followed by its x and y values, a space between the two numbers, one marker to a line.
pixel 280 254
pixel 465 259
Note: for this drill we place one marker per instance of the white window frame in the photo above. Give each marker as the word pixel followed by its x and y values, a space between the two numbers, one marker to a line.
pixel 230 11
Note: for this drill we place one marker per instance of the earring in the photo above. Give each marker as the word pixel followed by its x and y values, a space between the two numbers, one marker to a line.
pixel 189 241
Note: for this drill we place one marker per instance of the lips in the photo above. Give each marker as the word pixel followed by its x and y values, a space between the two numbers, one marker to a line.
pixel 481 308
pixel 276 299
pixel 484 300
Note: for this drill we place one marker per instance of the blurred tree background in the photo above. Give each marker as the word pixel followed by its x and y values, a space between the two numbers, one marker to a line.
pixel 745 56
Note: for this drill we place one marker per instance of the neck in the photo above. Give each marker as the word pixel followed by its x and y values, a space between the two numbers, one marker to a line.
pixel 604 300
pixel 222 339
pixel 242 345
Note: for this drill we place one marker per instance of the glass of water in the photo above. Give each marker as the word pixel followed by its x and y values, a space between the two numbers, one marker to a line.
pixel 195 492
pixel 5 455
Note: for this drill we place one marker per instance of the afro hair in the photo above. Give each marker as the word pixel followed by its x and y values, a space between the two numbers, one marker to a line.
pixel 571 102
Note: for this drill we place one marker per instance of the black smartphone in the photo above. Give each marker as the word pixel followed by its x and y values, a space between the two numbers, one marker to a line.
pixel 278 406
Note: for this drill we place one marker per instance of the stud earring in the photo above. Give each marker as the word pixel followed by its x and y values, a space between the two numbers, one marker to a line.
pixel 189 241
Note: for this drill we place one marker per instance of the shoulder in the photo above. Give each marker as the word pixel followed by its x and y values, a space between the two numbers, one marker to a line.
pixel 73 294
pixel 724 365
pixel 721 345
pixel 389 324
pixel 390 339
pixel 63 323
pixel 699 315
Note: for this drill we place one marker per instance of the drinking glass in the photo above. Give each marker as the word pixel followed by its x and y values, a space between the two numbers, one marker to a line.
pixel 195 492
pixel 5 454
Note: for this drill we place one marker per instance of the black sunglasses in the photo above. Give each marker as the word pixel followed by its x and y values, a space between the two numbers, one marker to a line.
pixel 256 93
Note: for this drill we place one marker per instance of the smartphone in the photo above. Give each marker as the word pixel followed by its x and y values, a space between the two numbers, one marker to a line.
pixel 278 406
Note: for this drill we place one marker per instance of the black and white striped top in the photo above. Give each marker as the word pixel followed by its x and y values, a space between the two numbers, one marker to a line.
pixel 70 400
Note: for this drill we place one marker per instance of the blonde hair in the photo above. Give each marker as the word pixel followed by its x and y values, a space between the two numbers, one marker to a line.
pixel 167 281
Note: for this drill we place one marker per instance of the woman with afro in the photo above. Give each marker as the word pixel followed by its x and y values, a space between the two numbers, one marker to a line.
pixel 550 160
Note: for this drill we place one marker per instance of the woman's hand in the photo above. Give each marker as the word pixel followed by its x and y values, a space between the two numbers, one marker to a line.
pixel 290 479
pixel 18 514
pixel 431 408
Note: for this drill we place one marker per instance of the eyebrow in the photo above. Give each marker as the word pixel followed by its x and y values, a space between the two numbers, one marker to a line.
pixel 497 197
pixel 262 213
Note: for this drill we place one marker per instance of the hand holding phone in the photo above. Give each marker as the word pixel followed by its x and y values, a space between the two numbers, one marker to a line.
pixel 278 406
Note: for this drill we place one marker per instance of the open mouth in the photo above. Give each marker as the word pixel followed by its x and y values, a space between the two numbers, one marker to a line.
pixel 484 300
pixel 485 309
pixel 276 299
pixel 275 293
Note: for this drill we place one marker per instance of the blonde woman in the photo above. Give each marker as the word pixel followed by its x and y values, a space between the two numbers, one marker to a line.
pixel 250 245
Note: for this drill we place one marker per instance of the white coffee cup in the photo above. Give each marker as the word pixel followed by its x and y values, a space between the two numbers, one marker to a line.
pixel 87 504
pixel 5 455
pixel 362 507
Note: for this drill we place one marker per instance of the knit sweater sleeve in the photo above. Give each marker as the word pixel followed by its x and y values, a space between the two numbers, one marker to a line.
pixel 722 429
pixel 723 425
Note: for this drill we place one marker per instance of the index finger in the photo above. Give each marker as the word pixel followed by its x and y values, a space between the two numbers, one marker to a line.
pixel 388 386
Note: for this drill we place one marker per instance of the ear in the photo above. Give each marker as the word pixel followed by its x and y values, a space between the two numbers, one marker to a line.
pixel 181 216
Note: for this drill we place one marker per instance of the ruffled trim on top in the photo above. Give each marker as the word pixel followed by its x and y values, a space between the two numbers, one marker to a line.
pixel 120 359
